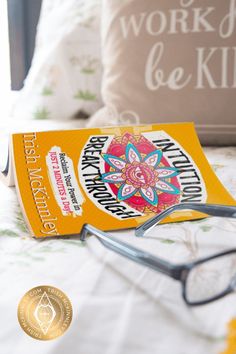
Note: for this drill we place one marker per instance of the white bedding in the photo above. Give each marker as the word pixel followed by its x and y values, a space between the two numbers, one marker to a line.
pixel 118 306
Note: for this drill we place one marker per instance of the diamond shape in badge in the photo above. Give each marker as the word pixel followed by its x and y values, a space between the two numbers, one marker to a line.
pixel 44 313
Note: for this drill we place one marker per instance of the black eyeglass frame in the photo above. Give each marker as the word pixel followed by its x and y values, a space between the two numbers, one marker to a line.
pixel 219 210
pixel 178 272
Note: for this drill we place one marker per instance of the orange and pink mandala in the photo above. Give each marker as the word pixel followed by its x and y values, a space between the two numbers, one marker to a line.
pixel 140 175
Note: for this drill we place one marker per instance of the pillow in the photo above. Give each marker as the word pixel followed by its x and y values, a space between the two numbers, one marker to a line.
pixel 171 61
pixel 64 79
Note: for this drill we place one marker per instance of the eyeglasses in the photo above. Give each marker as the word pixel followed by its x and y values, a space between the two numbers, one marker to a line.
pixel 204 280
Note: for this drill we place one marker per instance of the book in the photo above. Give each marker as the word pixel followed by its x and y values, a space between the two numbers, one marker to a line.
pixel 111 177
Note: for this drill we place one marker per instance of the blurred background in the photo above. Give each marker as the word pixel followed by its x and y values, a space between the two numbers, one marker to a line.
pixel 68 82
pixel 18 22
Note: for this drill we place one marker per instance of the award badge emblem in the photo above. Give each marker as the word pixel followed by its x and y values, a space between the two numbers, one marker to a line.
pixel 44 312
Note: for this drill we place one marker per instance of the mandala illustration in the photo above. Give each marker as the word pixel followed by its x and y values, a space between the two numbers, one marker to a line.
pixel 139 174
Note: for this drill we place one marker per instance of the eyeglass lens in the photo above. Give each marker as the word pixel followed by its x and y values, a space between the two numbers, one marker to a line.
pixel 211 278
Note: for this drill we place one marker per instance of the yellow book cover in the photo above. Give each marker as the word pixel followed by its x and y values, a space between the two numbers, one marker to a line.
pixel 112 178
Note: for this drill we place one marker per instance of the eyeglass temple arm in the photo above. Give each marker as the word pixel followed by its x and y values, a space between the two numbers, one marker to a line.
pixel 210 209
pixel 130 252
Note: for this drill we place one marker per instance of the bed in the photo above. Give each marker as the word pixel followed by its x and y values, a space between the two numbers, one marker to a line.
pixel 118 306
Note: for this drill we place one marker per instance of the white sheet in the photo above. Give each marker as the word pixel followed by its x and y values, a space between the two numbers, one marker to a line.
pixel 118 306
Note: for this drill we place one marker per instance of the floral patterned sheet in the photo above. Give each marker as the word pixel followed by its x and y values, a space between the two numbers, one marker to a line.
pixel 118 306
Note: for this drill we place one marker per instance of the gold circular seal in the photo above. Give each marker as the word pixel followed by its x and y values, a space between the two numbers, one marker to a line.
pixel 44 312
